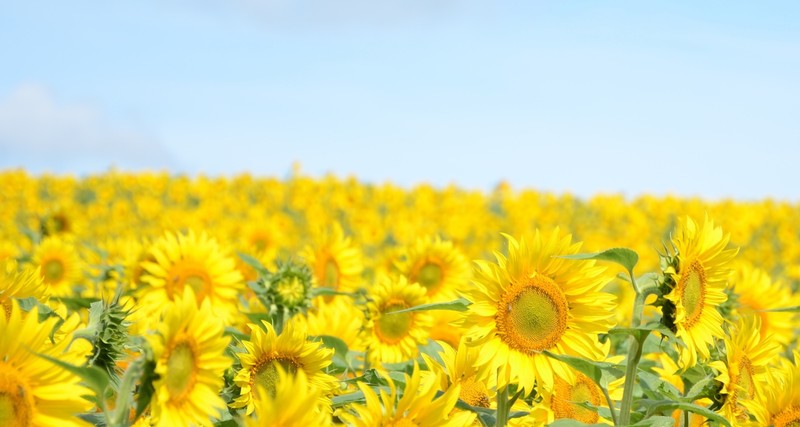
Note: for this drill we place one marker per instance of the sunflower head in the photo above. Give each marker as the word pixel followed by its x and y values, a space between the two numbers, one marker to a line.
pixel 59 265
pixel 287 290
pixel 107 330
pixel 532 301
pixel 335 261
pixel 292 400
pixel 438 266
pixel 693 286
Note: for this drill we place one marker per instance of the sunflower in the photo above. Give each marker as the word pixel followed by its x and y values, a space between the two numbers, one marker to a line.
pixel 700 276
pixel 392 338
pixel 16 283
pixel 532 301
pixel 33 391
pixel 334 260
pixel 757 294
pixel 566 397
pixel 59 265
pixel 191 261
pixel 744 371
pixel 267 351
pixel 189 348
pixel 438 266
pixel 459 368
pixel 338 318
pixel 417 407
pixel 781 397
pixel 295 402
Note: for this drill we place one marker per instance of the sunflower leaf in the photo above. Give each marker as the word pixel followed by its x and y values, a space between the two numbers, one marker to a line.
pixel 460 304
pixel 622 256
pixel 253 262
pixel 665 406
pixel 659 421
pixel 782 310
pixel 602 373
pixel 573 423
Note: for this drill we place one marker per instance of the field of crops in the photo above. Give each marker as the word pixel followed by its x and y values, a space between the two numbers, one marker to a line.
pixel 149 299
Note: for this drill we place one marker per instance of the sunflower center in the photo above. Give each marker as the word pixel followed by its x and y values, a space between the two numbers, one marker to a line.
pixel 790 417
pixel 16 401
pixel 180 377
pixel 291 291
pixel 430 275
pixel 532 316
pixel 693 292
pixel 265 374
pixel 745 382
pixel 7 306
pixel 392 328
pixel 474 392
pixel 53 270
pixel 189 274
pixel 567 398
pixel 330 278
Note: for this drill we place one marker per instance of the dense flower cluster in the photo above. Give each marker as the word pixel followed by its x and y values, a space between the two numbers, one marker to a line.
pixel 149 299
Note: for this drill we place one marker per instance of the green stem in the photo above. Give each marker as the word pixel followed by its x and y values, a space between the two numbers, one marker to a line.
pixel 502 407
pixel 634 353
pixel 610 405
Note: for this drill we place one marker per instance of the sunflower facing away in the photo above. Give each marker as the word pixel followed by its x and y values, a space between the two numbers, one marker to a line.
pixel 743 373
pixel 33 391
pixel 189 348
pixel 700 278
pixel 389 337
pixel 438 266
pixel 191 261
pixel 533 301
pixel 419 406
pixel 267 351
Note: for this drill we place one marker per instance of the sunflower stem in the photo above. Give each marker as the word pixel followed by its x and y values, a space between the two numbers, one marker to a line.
pixel 634 352
pixel 502 407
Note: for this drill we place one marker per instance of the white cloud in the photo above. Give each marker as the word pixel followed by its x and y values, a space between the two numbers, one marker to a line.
pixel 41 134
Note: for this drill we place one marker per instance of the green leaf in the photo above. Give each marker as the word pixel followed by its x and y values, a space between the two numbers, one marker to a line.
pixel 146 389
pixel 622 256
pixel 703 388
pixel 573 423
pixel 658 421
pixel 640 333
pixel 664 406
pixel 95 378
pixel 653 385
pixel 486 416
pixel 460 304
pixel 226 423
pixel 325 292
pixel 253 262
pixel 601 373
pixel 340 352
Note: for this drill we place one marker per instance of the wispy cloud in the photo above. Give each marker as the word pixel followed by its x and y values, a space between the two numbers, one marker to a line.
pixel 41 134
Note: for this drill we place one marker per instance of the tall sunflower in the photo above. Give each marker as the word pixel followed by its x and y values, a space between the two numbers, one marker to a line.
pixel 334 260
pixel 699 272
pixel 33 391
pixel 189 348
pixel 392 338
pixel 756 293
pixel 296 402
pixel 745 368
pixel 59 265
pixel 267 351
pixel 418 406
pixel 191 261
pixel 438 266
pixel 532 301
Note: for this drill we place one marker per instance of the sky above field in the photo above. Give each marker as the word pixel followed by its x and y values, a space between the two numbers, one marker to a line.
pixel 688 98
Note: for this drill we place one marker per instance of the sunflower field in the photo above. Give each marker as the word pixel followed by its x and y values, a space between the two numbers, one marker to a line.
pixel 161 300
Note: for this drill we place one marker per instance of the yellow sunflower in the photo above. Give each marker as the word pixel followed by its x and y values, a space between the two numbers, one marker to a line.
pixel 417 407
pixel 8 250
pixel 438 266
pixel 757 293
pixel 533 301
pixel 745 369
pixel 392 338
pixel 291 350
pixel 781 397
pixel 59 265
pixel 191 261
pixel 189 348
pixel 295 402
pixel 477 382
pixel 33 391
pixel 565 398
pixel 334 260
pixel 16 283
pixel 700 278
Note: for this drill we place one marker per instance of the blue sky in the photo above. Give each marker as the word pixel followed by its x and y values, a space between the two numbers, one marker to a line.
pixel 633 97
